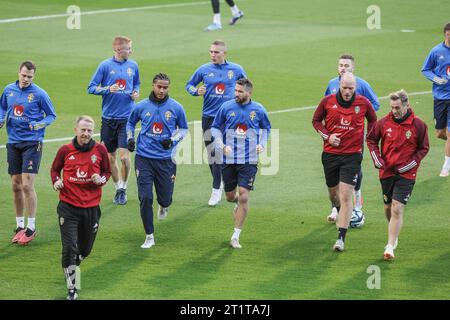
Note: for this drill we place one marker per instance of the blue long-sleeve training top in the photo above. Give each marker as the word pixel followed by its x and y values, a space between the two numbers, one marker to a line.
pixel 437 65
pixel 159 121
pixel 125 74
pixel 21 107
pixel 220 80
pixel 242 127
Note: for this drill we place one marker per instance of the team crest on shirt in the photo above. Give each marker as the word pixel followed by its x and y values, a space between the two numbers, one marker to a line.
pixel 157 127
pixel 30 97
pixel 252 115
pixel 168 115
pixel 230 74
pixel 130 72
pixel 18 110
pixel 94 158
pixel 408 134
pixel 357 109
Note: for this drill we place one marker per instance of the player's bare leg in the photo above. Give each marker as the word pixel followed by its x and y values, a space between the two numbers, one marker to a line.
pixel 395 225
pixel 345 213
pixel 444 134
pixel 333 194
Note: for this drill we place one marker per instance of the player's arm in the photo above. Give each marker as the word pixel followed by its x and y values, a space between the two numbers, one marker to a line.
pixel 371 117
pixel 193 82
pixel 136 85
pixel 372 140
pixel 371 96
pixel 428 67
pixel 133 119
pixel 182 126
pixel 217 129
pixel 3 109
pixel 95 86
pixel 57 166
pixel 50 115
pixel 264 124
pixel 317 121
pixel 105 168
pixel 423 147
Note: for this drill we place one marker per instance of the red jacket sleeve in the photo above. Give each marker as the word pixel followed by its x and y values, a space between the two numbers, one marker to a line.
pixel 423 147
pixel 58 164
pixel 105 173
pixel 372 139
pixel 317 121
pixel 371 117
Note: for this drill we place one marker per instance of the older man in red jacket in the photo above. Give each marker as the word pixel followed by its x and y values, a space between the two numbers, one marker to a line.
pixel 86 169
pixel 404 143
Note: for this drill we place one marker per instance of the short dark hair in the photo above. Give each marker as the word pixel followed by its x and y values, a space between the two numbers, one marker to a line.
pixel 347 56
pixel 161 76
pixel 447 27
pixel 246 83
pixel 28 64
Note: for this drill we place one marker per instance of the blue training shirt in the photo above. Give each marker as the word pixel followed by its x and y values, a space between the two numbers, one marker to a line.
pixel 22 107
pixel 220 80
pixel 241 127
pixel 159 121
pixel 363 88
pixel 437 64
pixel 125 73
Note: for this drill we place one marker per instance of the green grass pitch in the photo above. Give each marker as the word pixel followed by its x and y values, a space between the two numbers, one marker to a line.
pixel 289 49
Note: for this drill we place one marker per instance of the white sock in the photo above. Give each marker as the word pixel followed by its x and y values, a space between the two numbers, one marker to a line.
pixel 235 10
pixel 124 184
pixel 149 237
pixel 216 19
pixel 31 224
pixel 447 162
pixel 20 221
pixel 358 204
pixel 118 184
pixel 236 233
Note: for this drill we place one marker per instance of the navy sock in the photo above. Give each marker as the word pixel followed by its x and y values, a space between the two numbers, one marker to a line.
pixel 342 233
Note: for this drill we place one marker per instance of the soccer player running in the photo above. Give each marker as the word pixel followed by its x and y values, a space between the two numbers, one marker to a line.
pixel 437 69
pixel 346 63
pixel 217 21
pixel 117 81
pixel 26 110
pixel 240 129
pixel 163 126
pixel 339 119
pixel 218 79
pixel 85 170
pixel 397 144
